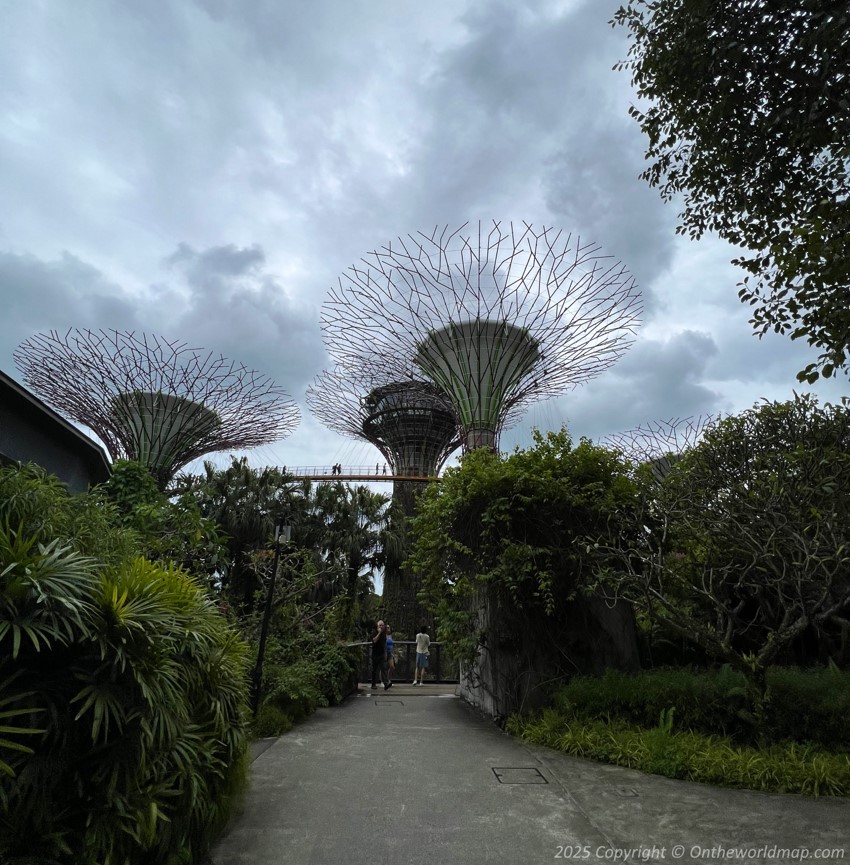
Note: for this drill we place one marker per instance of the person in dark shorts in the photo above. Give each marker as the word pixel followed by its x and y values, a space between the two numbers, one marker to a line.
pixel 379 656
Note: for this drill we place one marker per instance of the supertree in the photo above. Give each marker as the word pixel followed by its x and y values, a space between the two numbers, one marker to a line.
pixel 660 444
pixel 153 400
pixel 412 424
pixel 496 316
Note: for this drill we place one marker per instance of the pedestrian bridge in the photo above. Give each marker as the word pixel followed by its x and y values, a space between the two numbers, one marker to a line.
pixel 378 473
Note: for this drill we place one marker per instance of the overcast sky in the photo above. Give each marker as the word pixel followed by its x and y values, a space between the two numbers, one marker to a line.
pixel 206 169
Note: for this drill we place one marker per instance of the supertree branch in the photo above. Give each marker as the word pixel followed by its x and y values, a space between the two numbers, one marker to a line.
pixel 150 399
pixel 507 314
pixel 409 421
pixel 661 443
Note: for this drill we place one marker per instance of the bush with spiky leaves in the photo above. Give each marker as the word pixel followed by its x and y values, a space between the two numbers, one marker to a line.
pixel 123 687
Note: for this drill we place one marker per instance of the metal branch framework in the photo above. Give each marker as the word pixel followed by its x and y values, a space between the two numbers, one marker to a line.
pixel 154 400
pixel 497 316
pixel 410 422
pixel 661 444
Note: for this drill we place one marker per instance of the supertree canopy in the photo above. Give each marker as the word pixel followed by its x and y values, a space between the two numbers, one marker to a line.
pixel 496 316
pixel 159 402
pixel 660 444
pixel 410 422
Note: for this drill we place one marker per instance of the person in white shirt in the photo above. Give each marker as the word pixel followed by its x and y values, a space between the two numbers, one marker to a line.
pixel 423 643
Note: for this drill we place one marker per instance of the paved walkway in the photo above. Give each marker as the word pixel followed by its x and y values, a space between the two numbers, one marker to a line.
pixel 412 776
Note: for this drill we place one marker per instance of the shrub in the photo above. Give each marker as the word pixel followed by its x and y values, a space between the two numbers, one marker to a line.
pixel 320 676
pixel 781 768
pixel 804 705
pixel 128 691
pixel 270 721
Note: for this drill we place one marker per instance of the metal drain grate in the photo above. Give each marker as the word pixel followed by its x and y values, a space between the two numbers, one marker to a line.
pixel 519 775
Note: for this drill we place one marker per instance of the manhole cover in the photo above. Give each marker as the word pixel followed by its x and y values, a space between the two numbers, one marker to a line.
pixel 625 792
pixel 518 775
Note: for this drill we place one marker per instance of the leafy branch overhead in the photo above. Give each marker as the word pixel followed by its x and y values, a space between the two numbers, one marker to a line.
pixel 747 115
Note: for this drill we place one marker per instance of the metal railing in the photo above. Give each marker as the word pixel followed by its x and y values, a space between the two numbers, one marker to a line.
pixel 440 667
pixel 378 472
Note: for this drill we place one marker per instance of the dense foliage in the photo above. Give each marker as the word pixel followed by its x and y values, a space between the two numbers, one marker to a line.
pixel 323 588
pixel 744 545
pixel 126 687
pixel 809 706
pixel 691 756
pixel 747 118
pixel 696 726
pixel 171 530
pixel 341 531
pixel 508 531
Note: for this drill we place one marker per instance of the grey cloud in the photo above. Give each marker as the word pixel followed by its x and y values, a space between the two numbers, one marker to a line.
pixel 656 380
pixel 523 118
pixel 281 142
pixel 234 306
pixel 54 295
pixel 248 316
pixel 615 212
pixel 213 268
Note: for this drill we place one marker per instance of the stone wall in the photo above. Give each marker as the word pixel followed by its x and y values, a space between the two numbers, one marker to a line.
pixel 514 672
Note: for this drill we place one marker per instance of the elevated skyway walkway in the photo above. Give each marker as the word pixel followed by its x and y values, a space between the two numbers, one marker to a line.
pixel 379 473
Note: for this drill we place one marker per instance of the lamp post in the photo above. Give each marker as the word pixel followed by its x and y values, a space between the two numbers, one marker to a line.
pixel 281 533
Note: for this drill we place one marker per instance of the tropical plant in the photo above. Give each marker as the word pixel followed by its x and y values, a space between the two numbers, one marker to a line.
pixel 781 768
pixel 126 686
pixel 246 504
pixel 170 530
pixel 498 547
pixel 743 549
pixel 746 118
pixel 354 533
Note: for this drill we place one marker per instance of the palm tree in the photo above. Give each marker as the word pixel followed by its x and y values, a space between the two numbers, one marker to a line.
pixel 246 503
pixel 354 524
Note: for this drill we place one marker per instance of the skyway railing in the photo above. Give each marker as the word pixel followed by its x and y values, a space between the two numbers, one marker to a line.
pixel 378 472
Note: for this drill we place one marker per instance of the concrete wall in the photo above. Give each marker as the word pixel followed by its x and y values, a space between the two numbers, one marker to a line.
pixel 515 673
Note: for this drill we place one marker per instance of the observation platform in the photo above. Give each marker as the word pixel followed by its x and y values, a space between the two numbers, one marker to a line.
pixel 379 473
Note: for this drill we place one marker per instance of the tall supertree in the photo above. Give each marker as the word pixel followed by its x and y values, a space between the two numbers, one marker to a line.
pixel 496 316
pixel 660 444
pixel 412 424
pixel 153 400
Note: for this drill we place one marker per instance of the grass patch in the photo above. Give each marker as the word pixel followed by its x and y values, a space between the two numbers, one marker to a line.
pixel 694 726
pixel 780 768
pixel 805 706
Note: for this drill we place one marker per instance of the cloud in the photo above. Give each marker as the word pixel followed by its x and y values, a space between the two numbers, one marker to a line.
pixel 208 168
pixel 55 295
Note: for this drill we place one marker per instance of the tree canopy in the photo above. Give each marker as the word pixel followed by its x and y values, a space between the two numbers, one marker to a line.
pixel 748 118
pixel 744 548
pixel 505 533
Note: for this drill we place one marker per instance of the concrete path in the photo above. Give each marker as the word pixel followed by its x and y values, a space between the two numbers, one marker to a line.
pixel 412 776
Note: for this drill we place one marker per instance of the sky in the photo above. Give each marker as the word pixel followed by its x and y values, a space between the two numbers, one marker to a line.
pixel 207 169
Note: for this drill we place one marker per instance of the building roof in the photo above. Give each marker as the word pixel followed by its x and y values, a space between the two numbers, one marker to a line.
pixel 16 400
